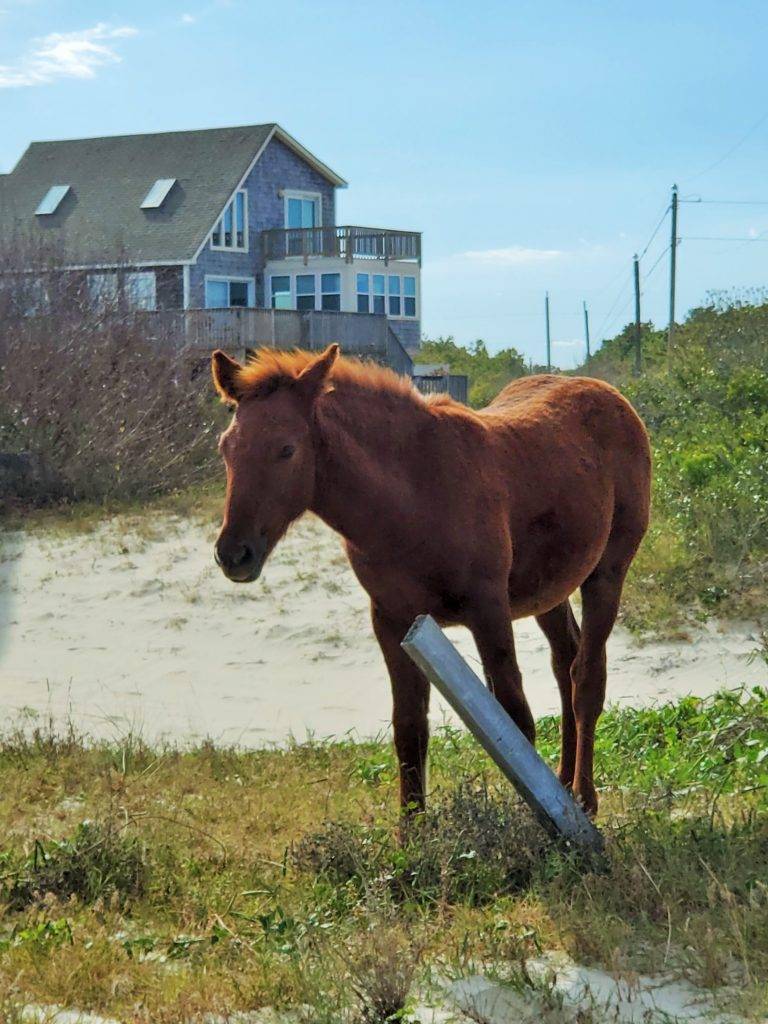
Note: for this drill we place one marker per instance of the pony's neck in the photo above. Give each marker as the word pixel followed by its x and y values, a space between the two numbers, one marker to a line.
pixel 366 469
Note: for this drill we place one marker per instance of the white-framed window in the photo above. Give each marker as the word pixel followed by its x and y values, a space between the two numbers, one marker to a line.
pixel 280 291
pixel 231 232
pixel 102 290
pixel 140 289
pixel 363 293
pixel 303 209
pixel 305 291
pixel 330 291
pixel 379 297
pixel 226 292
pixel 393 293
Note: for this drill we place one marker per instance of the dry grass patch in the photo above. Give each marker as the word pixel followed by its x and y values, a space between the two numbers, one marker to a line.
pixel 215 880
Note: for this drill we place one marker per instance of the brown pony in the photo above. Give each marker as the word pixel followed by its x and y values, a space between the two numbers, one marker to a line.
pixel 476 518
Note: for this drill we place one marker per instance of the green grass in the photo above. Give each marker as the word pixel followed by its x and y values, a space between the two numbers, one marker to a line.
pixel 157 885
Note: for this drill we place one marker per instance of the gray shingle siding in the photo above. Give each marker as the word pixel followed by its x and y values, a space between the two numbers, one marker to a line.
pixel 278 168
pixel 408 332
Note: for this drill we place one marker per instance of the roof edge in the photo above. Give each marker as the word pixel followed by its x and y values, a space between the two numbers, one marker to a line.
pixel 288 140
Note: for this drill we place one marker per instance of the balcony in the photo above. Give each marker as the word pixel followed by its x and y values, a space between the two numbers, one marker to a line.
pixel 239 329
pixel 343 242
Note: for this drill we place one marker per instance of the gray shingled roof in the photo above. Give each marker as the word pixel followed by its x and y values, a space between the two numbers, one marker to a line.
pixel 101 219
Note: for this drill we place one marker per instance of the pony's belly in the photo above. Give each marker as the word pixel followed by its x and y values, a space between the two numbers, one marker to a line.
pixel 537 588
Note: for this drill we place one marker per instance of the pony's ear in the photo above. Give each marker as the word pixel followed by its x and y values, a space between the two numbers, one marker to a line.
pixel 313 379
pixel 225 371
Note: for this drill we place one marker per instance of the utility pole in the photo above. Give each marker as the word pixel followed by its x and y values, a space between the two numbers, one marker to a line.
pixel 638 328
pixel 586 328
pixel 549 344
pixel 672 270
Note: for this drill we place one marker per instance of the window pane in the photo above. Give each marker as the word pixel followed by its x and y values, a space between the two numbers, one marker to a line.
pixel 378 304
pixel 228 227
pixel 216 294
pixel 281 292
pixel 363 304
pixel 394 305
pixel 378 284
pixel 36 301
pixel 238 293
pixel 362 283
pixel 240 219
pixel 331 301
pixel 394 285
pixel 330 282
pixel 216 236
pixel 409 306
pixel 409 286
pixel 102 290
pixel 305 291
pixel 140 290
pixel 294 213
pixel 308 213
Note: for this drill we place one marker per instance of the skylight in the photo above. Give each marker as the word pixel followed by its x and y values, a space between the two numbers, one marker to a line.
pixel 158 194
pixel 51 200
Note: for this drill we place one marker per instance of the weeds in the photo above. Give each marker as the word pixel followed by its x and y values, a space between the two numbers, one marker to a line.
pixel 98 862
pixel 472 845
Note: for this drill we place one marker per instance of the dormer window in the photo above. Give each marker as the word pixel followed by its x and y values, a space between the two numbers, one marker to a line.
pixel 231 232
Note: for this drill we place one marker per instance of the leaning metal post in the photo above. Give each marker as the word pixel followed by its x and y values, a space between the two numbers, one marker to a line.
pixel 550 801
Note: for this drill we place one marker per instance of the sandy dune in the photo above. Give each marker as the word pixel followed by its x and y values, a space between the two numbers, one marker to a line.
pixel 117 629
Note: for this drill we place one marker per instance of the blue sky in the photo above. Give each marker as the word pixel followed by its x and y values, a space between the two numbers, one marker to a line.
pixel 533 144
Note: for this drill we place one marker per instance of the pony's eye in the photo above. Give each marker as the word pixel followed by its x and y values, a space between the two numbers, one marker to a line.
pixel 286 451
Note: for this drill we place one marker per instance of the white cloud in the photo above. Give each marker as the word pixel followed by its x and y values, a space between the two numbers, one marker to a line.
pixel 513 256
pixel 65 55
pixel 188 19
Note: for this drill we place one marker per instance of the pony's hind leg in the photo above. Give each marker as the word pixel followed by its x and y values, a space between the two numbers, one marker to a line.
pixel 410 706
pixel 492 630
pixel 600 594
pixel 562 632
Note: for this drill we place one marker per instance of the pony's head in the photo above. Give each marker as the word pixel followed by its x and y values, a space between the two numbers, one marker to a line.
pixel 268 452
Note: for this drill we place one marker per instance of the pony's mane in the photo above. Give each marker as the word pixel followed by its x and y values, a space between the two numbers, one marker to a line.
pixel 268 369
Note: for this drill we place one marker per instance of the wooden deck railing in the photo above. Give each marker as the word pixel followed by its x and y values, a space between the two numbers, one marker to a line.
pixel 345 242
pixel 236 330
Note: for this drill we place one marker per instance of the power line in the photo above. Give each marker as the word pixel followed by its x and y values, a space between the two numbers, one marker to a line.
pixel 618 316
pixel 661 256
pixel 617 300
pixel 655 232
pixel 732 150
pixel 725 202
pixel 722 238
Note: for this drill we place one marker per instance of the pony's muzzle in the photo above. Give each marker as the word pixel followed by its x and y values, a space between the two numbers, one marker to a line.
pixel 241 561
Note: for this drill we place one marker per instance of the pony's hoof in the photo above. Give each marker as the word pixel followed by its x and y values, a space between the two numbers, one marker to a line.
pixel 588 801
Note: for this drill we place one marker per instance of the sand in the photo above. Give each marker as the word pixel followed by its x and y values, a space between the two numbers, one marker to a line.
pixel 126 629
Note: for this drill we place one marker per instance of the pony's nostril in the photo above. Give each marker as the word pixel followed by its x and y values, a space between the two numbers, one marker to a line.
pixel 244 556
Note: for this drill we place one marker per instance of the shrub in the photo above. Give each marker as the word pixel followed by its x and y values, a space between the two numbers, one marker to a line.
pixel 102 407
pixel 469 846
pixel 98 862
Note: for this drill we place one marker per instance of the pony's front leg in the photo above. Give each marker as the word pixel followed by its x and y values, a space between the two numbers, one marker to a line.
pixel 410 706
pixel 491 626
